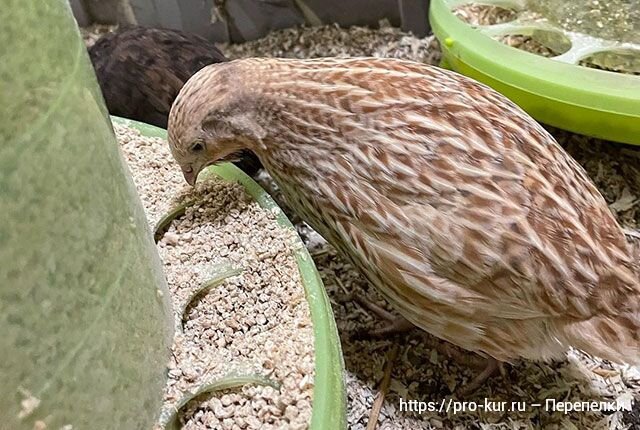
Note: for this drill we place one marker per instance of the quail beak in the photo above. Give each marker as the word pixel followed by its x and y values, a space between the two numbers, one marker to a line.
pixel 190 175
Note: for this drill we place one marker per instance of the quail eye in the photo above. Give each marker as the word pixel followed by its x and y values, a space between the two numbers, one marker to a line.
pixel 197 147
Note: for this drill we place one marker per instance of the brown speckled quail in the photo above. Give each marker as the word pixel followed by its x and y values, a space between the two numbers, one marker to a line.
pixel 462 210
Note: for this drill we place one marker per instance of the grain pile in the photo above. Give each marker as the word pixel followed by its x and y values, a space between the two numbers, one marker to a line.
pixel 164 188
pixel 420 373
pixel 254 323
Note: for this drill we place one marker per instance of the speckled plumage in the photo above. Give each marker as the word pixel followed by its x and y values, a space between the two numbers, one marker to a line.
pixel 464 212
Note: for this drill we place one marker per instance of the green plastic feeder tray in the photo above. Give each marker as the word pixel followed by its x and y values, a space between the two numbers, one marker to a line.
pixel 556 90
pixel 329 399
pixel 85 318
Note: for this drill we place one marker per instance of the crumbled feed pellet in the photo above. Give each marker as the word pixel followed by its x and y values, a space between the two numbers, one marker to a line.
pixel 421 373
pixel 257 322
pixel 158 179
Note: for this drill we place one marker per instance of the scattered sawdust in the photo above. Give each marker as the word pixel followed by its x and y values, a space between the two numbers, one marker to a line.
pixel 613 167
pixel 334 41
pixel 480 14
pixel 420 373
pixel 529 44
pixel 257 322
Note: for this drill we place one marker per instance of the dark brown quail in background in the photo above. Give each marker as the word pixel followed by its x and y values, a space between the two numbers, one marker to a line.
pixel 141 70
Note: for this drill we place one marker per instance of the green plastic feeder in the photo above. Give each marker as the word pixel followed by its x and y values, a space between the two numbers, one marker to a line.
pixel 85 322
pixel 555 91
pixel 329 399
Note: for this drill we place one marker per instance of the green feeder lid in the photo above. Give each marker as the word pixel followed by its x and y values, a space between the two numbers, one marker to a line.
pixel 554 90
